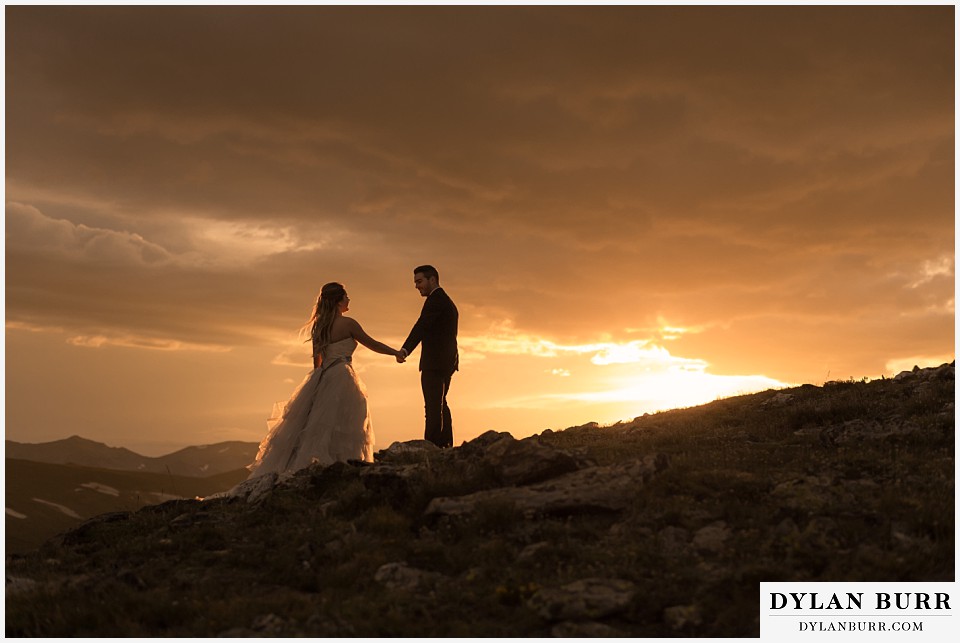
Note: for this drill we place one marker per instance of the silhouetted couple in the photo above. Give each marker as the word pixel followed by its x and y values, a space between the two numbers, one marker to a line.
pixel 326 419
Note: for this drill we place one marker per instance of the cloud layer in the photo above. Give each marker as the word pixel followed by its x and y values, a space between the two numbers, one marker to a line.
pixel 778 179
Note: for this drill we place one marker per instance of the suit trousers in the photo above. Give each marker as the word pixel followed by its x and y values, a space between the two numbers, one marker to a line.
pixel 439 424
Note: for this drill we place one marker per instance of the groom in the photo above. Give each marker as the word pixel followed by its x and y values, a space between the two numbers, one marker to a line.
pixel 437 330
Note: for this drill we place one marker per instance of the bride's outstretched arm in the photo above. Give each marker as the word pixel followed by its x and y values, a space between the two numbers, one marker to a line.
pixel 377 347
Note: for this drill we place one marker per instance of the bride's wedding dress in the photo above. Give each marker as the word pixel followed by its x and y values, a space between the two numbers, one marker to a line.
pixel 325 420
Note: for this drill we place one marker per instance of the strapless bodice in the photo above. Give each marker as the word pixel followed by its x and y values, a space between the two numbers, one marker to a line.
pixel 340 350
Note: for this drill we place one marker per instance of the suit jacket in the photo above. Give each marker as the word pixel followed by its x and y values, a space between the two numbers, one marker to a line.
pixel 437 331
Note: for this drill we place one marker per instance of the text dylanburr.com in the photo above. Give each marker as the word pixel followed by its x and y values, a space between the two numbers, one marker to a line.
pixel 860 611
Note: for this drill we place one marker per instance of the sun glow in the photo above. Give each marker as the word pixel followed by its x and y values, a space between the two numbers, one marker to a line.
pixel 676 388
pixel 644 392
pixel 611 378
pixel 503 338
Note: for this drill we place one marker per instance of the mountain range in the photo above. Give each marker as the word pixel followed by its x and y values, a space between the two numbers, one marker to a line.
pixel 54 486
pixel 199 461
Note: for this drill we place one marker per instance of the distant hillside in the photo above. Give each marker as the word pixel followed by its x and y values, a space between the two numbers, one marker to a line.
pixel 44 499
pixel 663 526
pixel 77 450
pixel 192 461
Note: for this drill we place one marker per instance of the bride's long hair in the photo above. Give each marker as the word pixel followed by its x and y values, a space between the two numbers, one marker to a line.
pixel 324 312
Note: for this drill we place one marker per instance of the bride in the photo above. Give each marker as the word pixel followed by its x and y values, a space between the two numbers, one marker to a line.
pixel 326 419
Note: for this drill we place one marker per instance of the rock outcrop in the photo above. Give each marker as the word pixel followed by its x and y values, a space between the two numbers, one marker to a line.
pixel 594 489
pixel 589 598
pixel 532 477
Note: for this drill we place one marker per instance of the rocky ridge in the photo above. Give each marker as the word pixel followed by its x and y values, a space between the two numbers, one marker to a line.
pixel 535 478
pixel 659 526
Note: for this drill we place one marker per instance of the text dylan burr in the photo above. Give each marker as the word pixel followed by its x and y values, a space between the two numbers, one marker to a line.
pixel 855 601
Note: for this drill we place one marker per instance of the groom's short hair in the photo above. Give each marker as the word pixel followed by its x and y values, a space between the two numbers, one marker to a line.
pixel 427 271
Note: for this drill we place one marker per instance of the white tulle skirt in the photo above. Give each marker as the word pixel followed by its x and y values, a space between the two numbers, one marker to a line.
pixel 325 420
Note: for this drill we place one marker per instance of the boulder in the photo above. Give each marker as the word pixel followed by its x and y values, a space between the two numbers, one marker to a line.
pixel 812 494
pixel 522 462
pixel 487 438
pixel 253 490
pixel 942 372
pixel 945 372
pixel 401 576
pixel 589 598
pixel 712 538
pixel 595 489
pixel 17 585
pixel 855 431
pixel 405 451
pixel 779 399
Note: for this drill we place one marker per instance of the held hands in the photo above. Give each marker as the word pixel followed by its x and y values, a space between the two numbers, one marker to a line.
pixel 401 356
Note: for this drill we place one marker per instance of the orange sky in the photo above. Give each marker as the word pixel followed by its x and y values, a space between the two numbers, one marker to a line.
pixel 634 207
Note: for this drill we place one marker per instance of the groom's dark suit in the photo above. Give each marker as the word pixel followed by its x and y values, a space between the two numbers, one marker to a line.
pixel 437 331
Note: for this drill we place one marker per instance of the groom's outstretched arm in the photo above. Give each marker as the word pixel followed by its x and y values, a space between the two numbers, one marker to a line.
pixel 432 311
